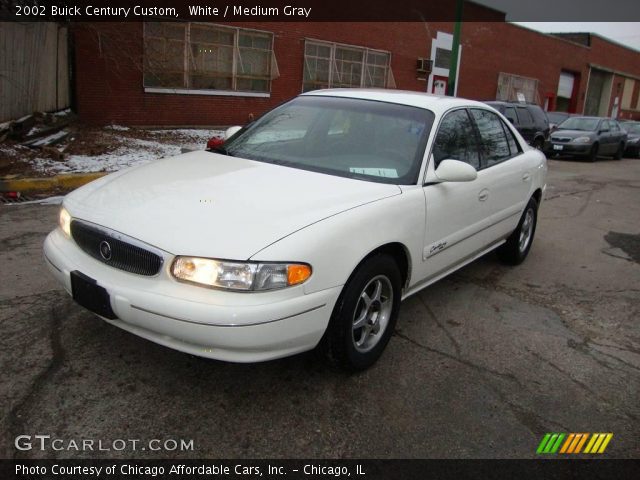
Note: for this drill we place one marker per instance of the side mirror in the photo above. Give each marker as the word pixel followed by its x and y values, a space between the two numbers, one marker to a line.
pixel 231 131
pixel 455 171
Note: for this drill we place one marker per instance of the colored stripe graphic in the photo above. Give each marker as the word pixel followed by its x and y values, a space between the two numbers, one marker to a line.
pixel 550 443
pixel 606 441
pixel 598 442
pixel 572 443
pixel 543 443
pixel 567 443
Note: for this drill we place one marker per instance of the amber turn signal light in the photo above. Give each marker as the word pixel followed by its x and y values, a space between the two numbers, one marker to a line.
pixel 297 273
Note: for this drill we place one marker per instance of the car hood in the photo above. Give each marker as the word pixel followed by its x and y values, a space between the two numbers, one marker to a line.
pixel 572 133
pixel 211 205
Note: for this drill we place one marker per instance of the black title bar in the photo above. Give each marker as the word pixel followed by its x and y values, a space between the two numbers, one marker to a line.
pixel 317 10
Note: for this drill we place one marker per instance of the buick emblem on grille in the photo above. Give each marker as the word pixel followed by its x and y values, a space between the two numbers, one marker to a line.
pixel 105 250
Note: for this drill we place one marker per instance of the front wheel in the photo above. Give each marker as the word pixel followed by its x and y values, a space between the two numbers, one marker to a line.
pixel 538 144
pixel 620 152
pixel 517 246
pixel 364 318
pixel 593 153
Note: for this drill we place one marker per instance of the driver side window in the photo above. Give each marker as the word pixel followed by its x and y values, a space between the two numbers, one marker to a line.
pixel 456 140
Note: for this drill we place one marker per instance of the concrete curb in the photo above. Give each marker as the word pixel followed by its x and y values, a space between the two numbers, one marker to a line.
pixel 46 184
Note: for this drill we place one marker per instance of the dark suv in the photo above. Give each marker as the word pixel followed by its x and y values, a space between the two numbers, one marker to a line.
pixel 529 119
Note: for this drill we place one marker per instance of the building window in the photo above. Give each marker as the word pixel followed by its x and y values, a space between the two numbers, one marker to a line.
pixel 196 56
pixel 443 58
pixel 514 88
pixel 328 65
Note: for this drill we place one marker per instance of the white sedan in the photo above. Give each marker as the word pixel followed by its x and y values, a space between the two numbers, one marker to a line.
pixel 306 229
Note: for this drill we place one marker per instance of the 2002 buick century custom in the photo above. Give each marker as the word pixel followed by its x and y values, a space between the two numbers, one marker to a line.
pixel 306 228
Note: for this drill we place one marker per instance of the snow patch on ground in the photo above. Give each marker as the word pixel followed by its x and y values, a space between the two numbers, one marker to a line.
pixel 133 151
pixel 118 128
pixel 190 133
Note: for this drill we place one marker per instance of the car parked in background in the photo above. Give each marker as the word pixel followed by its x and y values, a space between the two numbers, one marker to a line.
pixel 556 118
pixel 305 229
pixel 587 137
pixel 633 138
pixel 529 119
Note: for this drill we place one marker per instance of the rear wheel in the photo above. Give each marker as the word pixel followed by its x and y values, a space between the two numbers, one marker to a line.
pixel 593 153
pixel 517 246
pixel 364 318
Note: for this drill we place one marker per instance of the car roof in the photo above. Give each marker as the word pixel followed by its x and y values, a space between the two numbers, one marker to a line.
pixel 510 104
pixel 435 103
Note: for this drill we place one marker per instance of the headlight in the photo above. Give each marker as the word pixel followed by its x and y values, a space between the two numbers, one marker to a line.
pixel 634 140
pixel 581 140
pixel 64 220
pixel 240 276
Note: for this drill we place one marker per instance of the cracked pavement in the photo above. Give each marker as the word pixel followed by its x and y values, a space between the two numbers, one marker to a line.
pixel 482 364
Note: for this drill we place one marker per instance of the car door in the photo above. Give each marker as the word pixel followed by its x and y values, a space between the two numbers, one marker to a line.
pixel 455 211
pixel 526 125
pixel 509 171
pixel 605 138
pixel 618 135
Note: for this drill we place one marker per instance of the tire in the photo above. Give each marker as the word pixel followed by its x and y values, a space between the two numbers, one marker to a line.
pixel 371 298
pixel 517 246
pixel 620 152
pixel 593 154
pixel 538 144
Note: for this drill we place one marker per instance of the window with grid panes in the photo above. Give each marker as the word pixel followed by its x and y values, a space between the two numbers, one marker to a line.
pixel 328 65
pixel 207 57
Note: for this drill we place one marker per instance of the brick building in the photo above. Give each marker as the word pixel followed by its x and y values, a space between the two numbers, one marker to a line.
pixel 208 74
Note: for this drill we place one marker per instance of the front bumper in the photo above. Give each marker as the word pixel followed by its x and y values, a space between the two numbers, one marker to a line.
pixel 236 327
pixel 567 148
pixel 632 149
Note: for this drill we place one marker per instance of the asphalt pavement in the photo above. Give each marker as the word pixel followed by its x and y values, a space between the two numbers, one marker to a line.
pixel 482 364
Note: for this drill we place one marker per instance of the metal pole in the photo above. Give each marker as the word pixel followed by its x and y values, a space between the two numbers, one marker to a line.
pixel 453 68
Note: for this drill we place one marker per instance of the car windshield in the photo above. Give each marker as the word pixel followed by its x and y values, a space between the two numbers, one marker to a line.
pixel 557 117
pixel 364 139
pixel 580 123
pixel 631 128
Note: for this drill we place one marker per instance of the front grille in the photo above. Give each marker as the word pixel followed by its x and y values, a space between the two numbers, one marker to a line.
pixel 116 253
pixel 560 139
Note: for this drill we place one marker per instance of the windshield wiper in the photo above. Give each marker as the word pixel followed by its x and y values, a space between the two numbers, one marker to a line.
pixel 222 150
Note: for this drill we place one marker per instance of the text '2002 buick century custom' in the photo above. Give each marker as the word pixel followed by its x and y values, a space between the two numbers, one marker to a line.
pixel 305 229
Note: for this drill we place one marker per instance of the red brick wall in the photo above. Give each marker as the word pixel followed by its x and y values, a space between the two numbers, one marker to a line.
pixel 491 48
pixel 109 67
pixel 109 72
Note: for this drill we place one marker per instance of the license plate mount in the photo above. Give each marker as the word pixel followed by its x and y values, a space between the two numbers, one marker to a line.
pixel 87 293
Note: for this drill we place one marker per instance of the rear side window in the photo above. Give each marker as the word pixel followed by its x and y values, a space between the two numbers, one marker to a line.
pixel 524 117
pixel 494 145
pixel 510 113
pixel 456 140
pixel 514 147
pixel 539 115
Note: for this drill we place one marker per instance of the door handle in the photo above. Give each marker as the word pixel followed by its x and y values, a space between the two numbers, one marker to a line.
pixel 483 195
pixel 526 177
